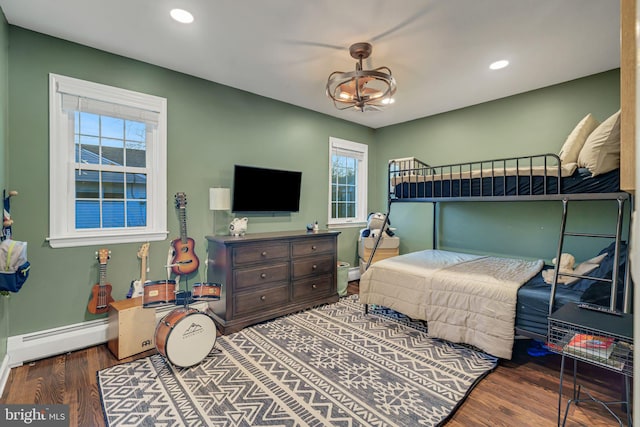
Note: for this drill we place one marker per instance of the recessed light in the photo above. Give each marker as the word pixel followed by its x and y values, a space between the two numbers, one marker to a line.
pixel 181 15
pixel 499 64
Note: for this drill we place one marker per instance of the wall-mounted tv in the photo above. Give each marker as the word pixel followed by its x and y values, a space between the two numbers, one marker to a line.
pixel 265 190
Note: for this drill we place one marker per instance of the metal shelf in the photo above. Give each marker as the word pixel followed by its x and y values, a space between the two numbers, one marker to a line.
pixel 598 338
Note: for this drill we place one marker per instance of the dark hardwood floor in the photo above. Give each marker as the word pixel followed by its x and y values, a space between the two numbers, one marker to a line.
pixel 519 392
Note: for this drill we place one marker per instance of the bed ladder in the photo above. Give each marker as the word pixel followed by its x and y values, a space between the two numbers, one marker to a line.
pixel 613 281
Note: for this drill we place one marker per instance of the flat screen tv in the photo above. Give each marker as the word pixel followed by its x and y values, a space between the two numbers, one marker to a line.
pixel 265 190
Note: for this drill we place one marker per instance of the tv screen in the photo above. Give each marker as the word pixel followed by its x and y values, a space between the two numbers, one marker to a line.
pixel 265 190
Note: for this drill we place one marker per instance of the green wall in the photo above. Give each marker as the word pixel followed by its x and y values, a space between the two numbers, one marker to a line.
pixel 4 105
pixel 526 124
pixel 210 127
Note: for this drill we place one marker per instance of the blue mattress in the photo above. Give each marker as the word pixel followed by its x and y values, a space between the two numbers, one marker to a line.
pixel 580 182
pixel 533 297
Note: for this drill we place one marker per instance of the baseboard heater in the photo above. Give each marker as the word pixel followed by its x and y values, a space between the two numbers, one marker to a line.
pixel 51 342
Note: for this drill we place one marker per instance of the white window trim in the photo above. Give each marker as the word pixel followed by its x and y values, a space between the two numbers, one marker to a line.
pixel 62 232
pixel 361 215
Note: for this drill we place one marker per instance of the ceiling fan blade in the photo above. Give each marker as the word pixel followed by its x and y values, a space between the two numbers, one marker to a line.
pixel 402 24
pixel 315 44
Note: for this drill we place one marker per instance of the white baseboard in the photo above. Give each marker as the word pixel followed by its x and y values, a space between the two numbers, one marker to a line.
pixel 4 373
pixel 38 345
pixel 51 342
pixel 354 273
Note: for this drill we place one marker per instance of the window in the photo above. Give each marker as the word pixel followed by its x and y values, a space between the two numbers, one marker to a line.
pixel 348 182
pixel 107 164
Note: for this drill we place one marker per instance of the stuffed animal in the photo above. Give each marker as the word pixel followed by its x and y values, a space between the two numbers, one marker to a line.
pixel 374 226
pixel 567 261
pixel 238 226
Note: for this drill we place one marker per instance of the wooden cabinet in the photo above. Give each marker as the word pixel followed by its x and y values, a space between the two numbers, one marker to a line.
pixel 628 79
pixel 267 275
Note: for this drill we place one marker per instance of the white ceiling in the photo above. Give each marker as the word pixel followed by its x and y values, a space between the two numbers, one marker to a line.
pixel 438 50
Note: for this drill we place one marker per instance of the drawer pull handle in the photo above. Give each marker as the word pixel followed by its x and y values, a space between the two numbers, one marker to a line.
pixel 264 253
pixel 263 275
pixel 313 248
pixel 314 286
pixel 263 298
pixel 313 267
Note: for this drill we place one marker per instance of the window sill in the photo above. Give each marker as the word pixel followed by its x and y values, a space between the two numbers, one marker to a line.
pixel 105 239
pixel 347 225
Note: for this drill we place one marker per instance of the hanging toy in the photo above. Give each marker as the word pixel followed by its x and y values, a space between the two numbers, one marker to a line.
pixel 7 222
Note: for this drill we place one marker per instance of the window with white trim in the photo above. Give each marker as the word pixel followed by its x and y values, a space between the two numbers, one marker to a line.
pixel 347 182
pixel 107 164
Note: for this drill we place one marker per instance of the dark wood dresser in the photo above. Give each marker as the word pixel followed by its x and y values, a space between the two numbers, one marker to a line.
pixel 266 275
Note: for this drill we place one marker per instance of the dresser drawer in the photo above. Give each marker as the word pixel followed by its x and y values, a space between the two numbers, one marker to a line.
pixel 258 253
pixel 315 266
pixel 321 285
pixel 255 301
pixel 311 246
pixel 249 277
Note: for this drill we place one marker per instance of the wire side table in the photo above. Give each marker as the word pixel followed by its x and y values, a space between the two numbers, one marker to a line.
pixel 601 339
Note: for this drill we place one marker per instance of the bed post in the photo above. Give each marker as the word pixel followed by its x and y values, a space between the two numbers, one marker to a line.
pixel 628 299
pixel 616 257
pixel 563 224
pixel 434 235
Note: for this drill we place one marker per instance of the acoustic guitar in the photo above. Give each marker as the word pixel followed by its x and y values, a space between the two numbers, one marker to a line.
pixel 101 291
pixel 185 260
pixel 137 286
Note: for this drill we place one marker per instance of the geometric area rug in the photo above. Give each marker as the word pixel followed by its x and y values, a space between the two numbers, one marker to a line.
pixel 331 365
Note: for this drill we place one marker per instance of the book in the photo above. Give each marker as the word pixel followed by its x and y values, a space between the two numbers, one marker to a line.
pixel 591 346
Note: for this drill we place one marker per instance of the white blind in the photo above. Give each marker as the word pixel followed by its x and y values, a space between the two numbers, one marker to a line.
pixel 71 103
pixel 347 149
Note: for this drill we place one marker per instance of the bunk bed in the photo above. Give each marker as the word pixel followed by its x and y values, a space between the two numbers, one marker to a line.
pixel 486 301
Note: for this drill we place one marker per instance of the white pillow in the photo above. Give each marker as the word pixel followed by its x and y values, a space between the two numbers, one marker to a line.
pixel 576 139
pixel 601 150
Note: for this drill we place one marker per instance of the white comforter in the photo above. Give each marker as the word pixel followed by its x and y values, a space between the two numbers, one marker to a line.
pixel 464 298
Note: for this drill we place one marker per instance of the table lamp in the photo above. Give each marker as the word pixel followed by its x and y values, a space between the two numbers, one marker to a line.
pixel 219 200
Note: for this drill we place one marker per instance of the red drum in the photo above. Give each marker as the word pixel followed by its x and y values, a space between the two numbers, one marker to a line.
pixel 206 291
pixel 185 336
pixel 159 292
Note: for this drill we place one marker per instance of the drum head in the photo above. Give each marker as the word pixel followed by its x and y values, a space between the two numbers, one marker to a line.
pixel 191 339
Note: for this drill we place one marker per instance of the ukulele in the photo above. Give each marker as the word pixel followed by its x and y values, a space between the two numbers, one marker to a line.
pixel 101 292
pixel 185 260
pixel 137 286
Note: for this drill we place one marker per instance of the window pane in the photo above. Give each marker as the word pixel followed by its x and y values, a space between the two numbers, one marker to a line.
pixel 350 194
pixel 351 176
pixel 351 210
pixel 112 155
pixel 87 123
pixel 87 149
pixel 135 132
pixel 136 186
pixel 136 214
pixel 113 185
pixel 112 214
pixel 112 127
pixel 87 214
pixel 136 157
pixel 87 184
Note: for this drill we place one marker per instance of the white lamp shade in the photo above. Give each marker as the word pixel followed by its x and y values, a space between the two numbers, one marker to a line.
pixel 219 199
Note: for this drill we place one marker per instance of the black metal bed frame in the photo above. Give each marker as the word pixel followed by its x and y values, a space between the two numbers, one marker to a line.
pixel 412 170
